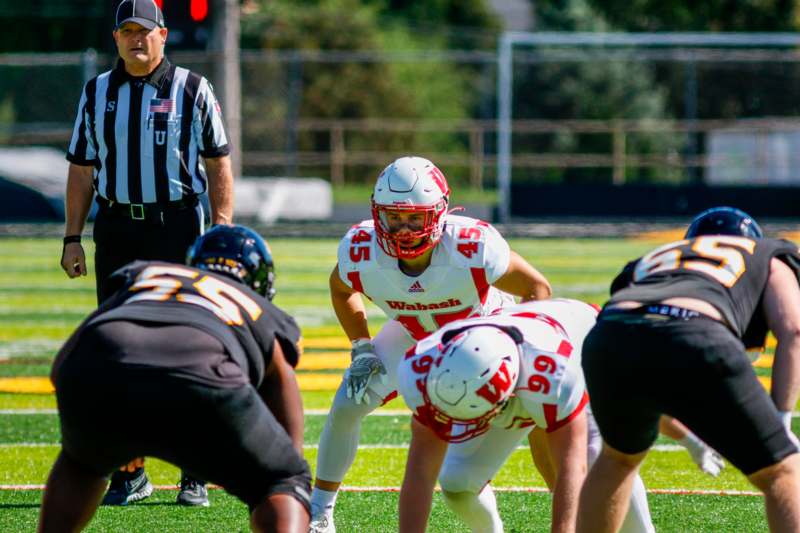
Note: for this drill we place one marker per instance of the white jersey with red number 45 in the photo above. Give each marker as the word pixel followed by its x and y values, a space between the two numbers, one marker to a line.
pixel 550 390
pixel 470 256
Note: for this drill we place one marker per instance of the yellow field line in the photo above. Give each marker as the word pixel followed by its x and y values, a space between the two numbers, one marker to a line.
pixel 327 361
pixel 323 382
pixel 676 234
pixel 765 361
pixel 791 235
pixel 666 235
pixel 41 385
pixel 28 385
pixel 327 343
pixel 307 382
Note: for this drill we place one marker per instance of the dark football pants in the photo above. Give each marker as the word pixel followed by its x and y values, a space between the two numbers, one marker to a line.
pixel 224 435
pixel 695 370
pixel 120 240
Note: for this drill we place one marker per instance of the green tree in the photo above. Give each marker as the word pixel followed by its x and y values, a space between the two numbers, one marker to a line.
pixel 709 15
pixel 463 24
pixel 347 90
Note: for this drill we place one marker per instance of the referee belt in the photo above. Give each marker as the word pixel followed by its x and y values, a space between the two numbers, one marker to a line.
pixel 152 211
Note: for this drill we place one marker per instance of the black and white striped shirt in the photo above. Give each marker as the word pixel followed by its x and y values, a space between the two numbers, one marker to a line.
pixel 145 136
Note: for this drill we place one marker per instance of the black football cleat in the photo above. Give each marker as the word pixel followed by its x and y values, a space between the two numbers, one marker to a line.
pixel 193 492
pixel 128 487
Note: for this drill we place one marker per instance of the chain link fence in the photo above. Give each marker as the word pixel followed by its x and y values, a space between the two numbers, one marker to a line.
pixel 676 115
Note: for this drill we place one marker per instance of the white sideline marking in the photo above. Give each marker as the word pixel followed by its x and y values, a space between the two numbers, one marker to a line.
pixel 688 492
pixel 656 448
pixel 28 444
pixel 28 411
pixel 383 412
pixel 312 412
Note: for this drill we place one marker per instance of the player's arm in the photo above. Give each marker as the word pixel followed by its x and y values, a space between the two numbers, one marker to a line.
pixel 349 307
pixel 521 279
pixel 280 392
pixel 425 455
pixel 567 446
pixel 77 203
pixel 220 188
pixel 782 309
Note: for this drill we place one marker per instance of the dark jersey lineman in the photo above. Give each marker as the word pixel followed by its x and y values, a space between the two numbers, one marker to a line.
pixel 672 341
pixel 194 354
pixel 728 272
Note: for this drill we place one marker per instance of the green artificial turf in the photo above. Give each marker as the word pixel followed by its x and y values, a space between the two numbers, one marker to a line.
pixel 377 513
pixel 40 306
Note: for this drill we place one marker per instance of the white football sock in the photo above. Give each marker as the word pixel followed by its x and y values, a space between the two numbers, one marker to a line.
pixel 478 511
pixel 323 501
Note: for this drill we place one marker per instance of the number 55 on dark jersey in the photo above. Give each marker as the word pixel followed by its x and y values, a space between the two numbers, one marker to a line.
pixel 243 321
pixel 728 272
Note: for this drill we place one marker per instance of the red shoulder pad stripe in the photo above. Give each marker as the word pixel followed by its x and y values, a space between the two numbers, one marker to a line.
pixel 551 413
pixel 481 283
pixel 355 280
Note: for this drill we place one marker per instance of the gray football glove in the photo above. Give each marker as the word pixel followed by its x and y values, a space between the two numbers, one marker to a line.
pixel 786 418
pixel 363 367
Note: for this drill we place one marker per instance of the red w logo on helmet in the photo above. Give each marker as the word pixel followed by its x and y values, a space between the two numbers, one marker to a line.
pixel 437 176
pixel 497 386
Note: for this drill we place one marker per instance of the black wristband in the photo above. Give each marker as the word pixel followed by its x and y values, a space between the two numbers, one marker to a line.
pixel 72 238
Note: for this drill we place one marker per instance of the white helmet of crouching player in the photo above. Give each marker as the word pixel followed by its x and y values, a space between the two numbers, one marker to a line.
pixel 473 379
pixel 410 186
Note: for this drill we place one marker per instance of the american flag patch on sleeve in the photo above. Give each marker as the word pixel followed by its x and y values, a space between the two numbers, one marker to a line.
pixel 162 105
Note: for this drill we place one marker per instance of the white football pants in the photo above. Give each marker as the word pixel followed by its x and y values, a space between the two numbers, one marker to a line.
pixel 339 440
pixel 468 467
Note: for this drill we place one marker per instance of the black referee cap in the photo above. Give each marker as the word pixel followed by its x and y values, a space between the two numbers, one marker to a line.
pixel 146 13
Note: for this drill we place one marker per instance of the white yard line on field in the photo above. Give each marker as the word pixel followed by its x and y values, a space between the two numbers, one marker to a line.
pixel 404 446
pixel 31 411
pixel 687 492
pixel 9 350
pixel 310 412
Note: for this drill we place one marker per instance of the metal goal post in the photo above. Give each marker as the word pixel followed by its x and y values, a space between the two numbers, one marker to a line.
pixel 599 42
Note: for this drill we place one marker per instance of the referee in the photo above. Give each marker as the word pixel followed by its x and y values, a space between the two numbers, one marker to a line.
pixel 148 140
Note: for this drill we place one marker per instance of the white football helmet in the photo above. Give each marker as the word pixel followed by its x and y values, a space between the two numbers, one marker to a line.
pixel 473 379
pixel 410 185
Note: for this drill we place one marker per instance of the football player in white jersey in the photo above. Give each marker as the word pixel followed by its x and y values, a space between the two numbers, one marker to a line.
pixel 424 268
pixel 477 388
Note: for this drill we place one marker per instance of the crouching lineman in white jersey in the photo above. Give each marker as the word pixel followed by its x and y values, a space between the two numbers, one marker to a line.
pixel 477 388
pixel 424 269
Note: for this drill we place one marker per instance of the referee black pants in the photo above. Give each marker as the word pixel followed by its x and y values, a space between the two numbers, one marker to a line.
pixel 119 239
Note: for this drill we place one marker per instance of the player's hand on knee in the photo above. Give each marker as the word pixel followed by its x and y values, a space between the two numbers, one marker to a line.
pixel 705 457
pixel 364 366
